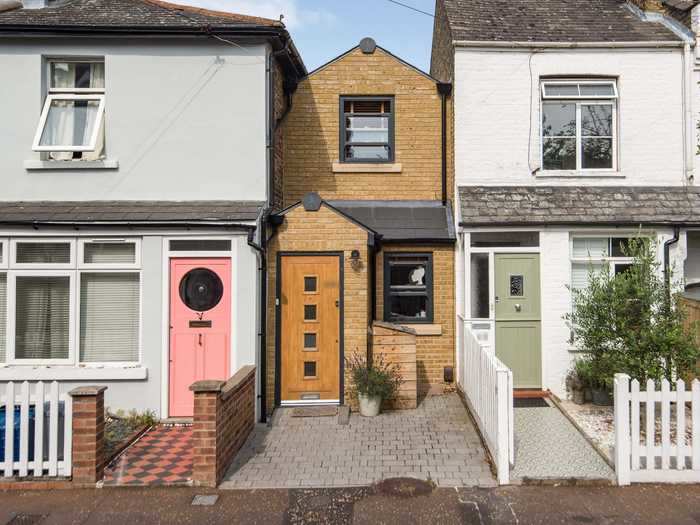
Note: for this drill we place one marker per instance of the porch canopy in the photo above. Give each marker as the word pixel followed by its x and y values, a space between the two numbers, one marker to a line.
pixel 577 205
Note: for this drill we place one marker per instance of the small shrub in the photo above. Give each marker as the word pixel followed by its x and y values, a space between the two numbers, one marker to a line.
pixel 373 377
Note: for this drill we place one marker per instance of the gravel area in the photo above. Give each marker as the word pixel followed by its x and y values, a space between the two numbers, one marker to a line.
pixel 597 423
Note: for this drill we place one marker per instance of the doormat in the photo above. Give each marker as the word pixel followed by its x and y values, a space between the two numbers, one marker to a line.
pixel 530 402
pixel 322 411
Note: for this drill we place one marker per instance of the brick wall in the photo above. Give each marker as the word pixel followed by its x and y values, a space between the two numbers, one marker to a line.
pixel 224 416
pixel 279 107
pixel 323 230
pixel 88 434
pixel 433 352
pixel 442 55
pixel 397 345
pixel 311 136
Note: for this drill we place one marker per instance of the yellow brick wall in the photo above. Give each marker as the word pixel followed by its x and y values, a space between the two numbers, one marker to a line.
pixel 433 352
pixel 311 132
pixel 322 231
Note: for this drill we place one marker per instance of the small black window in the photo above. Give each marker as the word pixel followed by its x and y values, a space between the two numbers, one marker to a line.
pixel 408 288
pixel 310 341
pixel 309 368
pixel 310 282
pixel 367 129
pixel 310 312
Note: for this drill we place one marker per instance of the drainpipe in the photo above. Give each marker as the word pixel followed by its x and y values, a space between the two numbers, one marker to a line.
pixel 445 89
pixel 262 334
pixel 688 129
pixel 667 256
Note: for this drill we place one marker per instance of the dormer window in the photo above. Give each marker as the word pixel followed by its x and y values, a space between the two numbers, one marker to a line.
pixel 579 120
pixel 71 126
pixel 367 129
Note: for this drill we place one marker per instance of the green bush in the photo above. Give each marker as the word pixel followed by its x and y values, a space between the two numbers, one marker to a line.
pixel 373 377
pixel 631 323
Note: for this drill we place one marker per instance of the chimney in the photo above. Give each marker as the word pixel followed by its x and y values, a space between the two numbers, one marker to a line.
pixel 649 5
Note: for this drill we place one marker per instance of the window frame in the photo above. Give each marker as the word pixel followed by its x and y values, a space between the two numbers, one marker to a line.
pixel 108 266
pixel 611 261
pixel 579 101
pixel 5 253
pixel 99 119
pixel 74 271
pixel 429 288
pixel 343 130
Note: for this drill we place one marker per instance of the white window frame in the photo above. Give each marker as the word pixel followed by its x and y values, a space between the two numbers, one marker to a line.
pixel 69 147
pixel 74 271
pixel 12 309
pixel 579 101
pixel 610 260
pixel 5 254
pixel 41 266
pixel 109 266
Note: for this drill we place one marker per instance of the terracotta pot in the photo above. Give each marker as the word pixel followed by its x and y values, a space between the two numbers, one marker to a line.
pixel 369 405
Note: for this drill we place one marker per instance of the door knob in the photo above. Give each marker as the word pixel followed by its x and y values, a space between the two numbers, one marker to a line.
pixel 518 307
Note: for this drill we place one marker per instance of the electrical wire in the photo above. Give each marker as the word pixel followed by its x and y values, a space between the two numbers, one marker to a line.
pixel 431 15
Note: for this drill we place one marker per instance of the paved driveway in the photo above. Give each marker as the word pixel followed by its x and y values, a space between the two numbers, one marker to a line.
pixel 436 441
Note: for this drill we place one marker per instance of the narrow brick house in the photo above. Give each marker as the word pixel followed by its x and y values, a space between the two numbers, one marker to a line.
pixel 362 255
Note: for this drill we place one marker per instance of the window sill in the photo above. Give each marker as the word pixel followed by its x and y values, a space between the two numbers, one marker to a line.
pixel 357 167
pixel 107 164
pixel 71 373
pixel 425 329
pixel 575 174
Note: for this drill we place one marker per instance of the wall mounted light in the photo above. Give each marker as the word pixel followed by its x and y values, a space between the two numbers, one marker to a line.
pixel 355 260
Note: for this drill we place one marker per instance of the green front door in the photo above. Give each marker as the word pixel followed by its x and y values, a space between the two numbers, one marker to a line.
pixel 518 316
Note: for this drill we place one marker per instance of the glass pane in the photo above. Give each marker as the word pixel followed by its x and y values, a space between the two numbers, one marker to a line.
pixel 590 247
pixel 561 90
pixel 67 75
pixel 367 106
pixel 559 154
pixel 70 123
pixel 409 307
pixel 309 368
pixel 109 253
pixel 3 316
pixel 619 246
pixel 407 274
pixel 559 120
pixel 622 268
pixel 201 245
pixel 310 312
pixel 42 317
pixel 580 273
pixel 517 286
pixel 597 154
pixel 367 153
pixel 367 129
pixel 109 317
pixel 596 120
pixel 310 284
pixel 43 252
pixel 310 340
pixel 480 285
pixel 597 90
pixel 2 253
pixel 505 239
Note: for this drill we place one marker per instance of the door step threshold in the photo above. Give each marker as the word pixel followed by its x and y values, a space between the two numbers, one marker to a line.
pixel 524 393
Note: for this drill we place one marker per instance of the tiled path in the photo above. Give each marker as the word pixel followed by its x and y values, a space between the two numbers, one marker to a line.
pixel 548 446
pixel 162 456
pixel 436 441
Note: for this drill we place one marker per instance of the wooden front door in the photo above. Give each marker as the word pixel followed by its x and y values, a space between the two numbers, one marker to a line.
pixel 200 327
pixel 310 307
pixel 518 317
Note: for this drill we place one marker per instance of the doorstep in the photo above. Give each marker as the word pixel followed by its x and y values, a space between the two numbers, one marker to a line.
pixel 525 393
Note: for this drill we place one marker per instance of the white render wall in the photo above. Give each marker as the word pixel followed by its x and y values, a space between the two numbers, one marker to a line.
pixel 495 91
pixel 185 121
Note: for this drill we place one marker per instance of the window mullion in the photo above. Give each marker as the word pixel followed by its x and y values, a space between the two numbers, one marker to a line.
pixel 579 142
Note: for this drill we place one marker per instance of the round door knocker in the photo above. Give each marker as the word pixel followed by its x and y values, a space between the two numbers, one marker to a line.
pixel 201 289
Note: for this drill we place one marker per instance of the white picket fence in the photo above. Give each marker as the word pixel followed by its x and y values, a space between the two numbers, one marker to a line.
pixel 45 430
pixel 664 453
pixel 488 387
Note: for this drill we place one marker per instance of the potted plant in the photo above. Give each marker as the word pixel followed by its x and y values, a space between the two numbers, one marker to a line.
pixel 373 381
pixel 578 381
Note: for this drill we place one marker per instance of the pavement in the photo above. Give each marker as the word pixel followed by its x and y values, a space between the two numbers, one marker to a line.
pixel 650 504
pixel 549 447
pixel 437 442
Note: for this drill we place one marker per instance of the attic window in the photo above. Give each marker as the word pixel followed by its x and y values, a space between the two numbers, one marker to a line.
pixel 367 129
pixel 71 126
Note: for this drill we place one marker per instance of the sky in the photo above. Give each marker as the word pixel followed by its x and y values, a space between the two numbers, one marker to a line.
pixel 324 29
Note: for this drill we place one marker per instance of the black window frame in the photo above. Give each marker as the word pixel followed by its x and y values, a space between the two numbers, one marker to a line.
pixel 389 257
pixel 343 130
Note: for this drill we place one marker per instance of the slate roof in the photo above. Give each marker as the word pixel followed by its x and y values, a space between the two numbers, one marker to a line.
pixel 396 221
pixel 550 21
pixel 130 13
pixel 129 212
pixel 614 205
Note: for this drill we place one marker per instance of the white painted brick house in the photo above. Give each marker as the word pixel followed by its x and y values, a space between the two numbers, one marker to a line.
pixel 574 129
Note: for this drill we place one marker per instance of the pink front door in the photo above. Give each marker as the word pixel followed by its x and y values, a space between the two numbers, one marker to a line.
pixel 200 327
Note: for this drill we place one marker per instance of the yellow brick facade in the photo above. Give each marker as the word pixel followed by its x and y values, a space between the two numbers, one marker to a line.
pixel 312 135
pixel 433 352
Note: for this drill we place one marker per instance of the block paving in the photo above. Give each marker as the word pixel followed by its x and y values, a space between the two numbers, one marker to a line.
pixel 162 456
pixel 437 441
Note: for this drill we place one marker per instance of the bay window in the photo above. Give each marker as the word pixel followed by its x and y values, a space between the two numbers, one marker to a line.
pixel 579 121
pixel 70 302
pixel 71 125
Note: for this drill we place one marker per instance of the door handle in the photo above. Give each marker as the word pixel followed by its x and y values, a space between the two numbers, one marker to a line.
pixel 518 308
pixel 200 339
pixel 497 300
